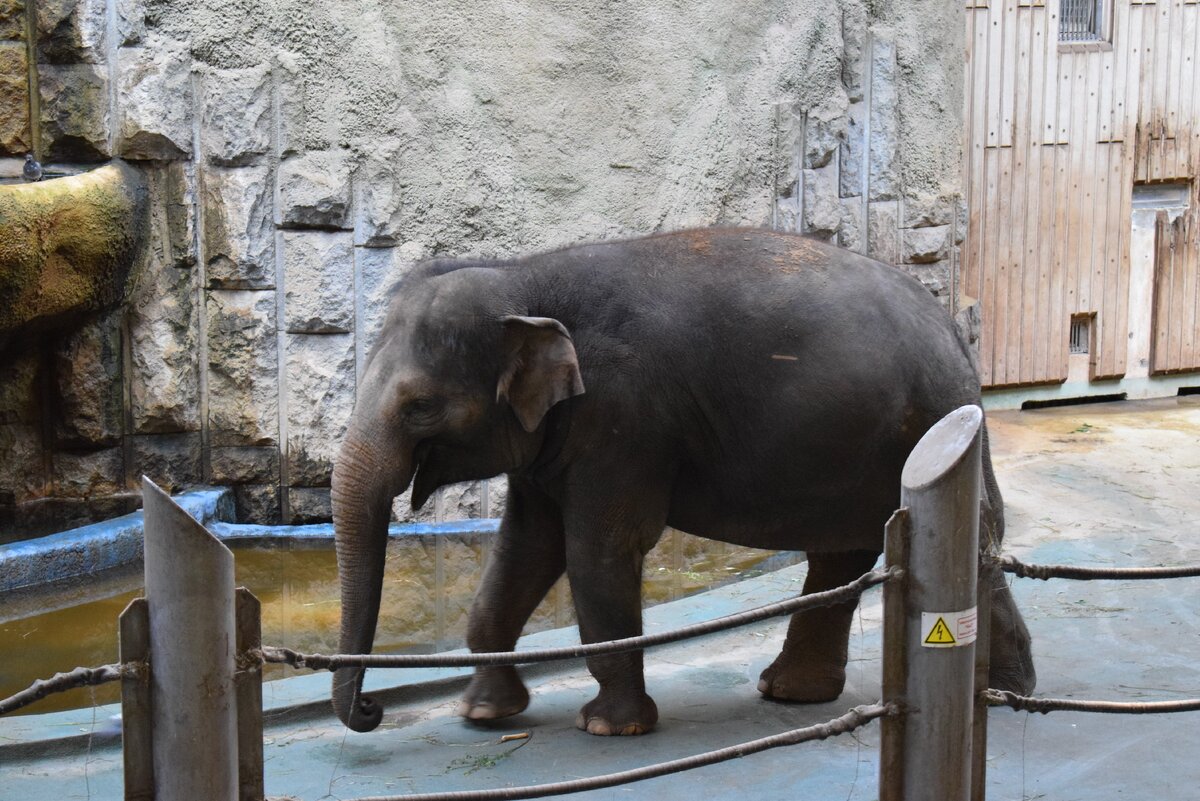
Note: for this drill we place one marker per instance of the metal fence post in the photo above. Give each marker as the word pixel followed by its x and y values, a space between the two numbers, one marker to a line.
pixel 189 588
pixel 248 685
pixel 136 727
pixel 940 489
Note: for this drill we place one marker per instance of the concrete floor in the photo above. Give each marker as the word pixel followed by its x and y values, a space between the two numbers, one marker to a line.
pixel 1112 484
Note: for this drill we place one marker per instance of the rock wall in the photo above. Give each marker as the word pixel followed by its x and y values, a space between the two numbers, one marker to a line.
pixel 302 155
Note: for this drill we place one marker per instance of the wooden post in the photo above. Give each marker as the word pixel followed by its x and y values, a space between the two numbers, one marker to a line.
pixel 248 684
pixel 940 488
pixel 189 588
pixel 136 736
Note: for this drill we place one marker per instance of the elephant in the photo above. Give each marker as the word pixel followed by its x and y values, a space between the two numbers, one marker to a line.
pixel 750 386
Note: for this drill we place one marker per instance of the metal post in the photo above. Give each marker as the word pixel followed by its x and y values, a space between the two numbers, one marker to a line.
pixel 248 684
pixel 940 488
pixel 189 587
pixel 136 732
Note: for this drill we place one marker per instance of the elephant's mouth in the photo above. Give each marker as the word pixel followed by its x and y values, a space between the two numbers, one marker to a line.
pixel 425 481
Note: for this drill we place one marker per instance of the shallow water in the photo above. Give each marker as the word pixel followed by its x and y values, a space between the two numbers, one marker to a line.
pixel 428 586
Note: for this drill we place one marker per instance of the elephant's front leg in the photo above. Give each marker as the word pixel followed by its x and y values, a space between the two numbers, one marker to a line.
pixel 605 549
pixel 811 668
pixel 526 560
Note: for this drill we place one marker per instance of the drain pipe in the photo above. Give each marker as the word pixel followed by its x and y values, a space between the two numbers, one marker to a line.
pixel 190 594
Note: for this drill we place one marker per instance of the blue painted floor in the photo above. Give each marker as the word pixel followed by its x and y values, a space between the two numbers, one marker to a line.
pixel 1097 485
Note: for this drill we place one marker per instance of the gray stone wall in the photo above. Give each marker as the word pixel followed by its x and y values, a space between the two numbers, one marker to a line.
pixel 304 155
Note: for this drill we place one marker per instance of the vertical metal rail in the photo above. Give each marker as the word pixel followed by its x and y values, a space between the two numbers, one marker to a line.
pixel 136 732
pixel 190 592
pixel 940 489
pixel 248 686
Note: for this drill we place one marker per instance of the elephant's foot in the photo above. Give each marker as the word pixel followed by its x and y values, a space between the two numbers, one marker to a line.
pixel 804 682
pixel 494 692
pixel 612 713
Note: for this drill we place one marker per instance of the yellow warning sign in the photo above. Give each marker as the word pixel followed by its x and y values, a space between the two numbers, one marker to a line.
pixel 940 634
pixel 948 629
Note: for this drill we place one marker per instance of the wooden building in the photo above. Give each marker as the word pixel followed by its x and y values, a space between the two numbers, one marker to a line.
pixel 1082 149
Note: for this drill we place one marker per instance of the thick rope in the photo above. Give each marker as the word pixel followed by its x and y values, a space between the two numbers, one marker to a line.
pixel 61 682
pixel 832 597
pixel 856 718
pixel 1013 565
pixel 1023 703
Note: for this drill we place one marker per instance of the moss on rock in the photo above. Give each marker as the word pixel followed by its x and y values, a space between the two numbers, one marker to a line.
pixel 67 247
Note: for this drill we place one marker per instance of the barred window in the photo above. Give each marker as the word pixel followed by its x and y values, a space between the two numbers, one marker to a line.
pixel 1080 20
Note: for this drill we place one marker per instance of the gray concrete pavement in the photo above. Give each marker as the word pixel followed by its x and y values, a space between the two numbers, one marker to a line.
pixel 1113 484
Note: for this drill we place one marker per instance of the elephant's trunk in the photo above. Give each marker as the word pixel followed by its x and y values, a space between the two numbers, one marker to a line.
pixel 364 483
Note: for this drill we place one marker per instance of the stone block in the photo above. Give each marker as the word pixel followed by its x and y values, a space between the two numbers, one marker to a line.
pixel 461 558
pixel 165 376
pixel 379 222
pixel 155 113
pixel 12 21
pixel 926 245
pixel 925 211
pixel 962 220
pixel 23 475
pixel 850 233
pixel 258 503
pixel 314 190
pixel 180 207
pixel 19 396
pixel 290 135
pixel 239 237
pixel 825 129
pixel 852 156
pixel 244 465
pixel 318 277
pixel 402 511
pixel 309 505
pixel 131 22
pixel 883 153
pixel 379 270
pixel 87 375
pixel 82 474
pixel 15 136
pixel 173 461
pixel 854 49
pixel 822 206
pixel 235 115
pixel 320 398
pixel 74 112
pixel 934 276
pixel 883 231
pixel 70 31
pixel 243 405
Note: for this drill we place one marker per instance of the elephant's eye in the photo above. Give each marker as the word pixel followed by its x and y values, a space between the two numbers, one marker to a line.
pixel 422 408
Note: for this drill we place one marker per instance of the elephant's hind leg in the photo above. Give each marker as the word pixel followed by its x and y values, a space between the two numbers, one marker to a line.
pixel 527 559
pixel 811 668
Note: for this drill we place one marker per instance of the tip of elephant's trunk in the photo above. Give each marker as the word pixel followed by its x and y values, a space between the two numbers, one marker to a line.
pixel 358 712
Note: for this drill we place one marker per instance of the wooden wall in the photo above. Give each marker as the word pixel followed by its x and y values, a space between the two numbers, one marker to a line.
pixel 1057 135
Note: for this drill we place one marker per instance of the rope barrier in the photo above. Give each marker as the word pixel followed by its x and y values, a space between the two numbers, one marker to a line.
pixel 61 682
pixel 1011 564
pixel 1024 703
pixel 848 592
pixel 856 718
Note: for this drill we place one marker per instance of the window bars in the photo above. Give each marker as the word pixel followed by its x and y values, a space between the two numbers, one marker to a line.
pixel 1080 20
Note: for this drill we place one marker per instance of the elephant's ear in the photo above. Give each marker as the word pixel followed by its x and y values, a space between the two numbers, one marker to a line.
pixel 540 368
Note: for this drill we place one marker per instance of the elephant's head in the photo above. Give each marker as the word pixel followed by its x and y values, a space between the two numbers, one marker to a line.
pixel 456 389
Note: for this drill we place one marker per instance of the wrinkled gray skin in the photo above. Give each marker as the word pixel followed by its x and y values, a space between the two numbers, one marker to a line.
pixel 752 387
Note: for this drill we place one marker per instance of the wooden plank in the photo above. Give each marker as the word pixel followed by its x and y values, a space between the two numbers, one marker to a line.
pixel 1143 29
pixel 993 279
pixel 247 683
pixel 1179 289
pixel 137 734
pixel 976 136
pixel 1032 348
pixel 1124 221
pixel 1159 359
pixel 1186 121
pixel 997 20
pixel 1105 266
pixel 1188 317
pixel 1011 85
pixel 1046 230
pixel 1024 288
pixel 1157 117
